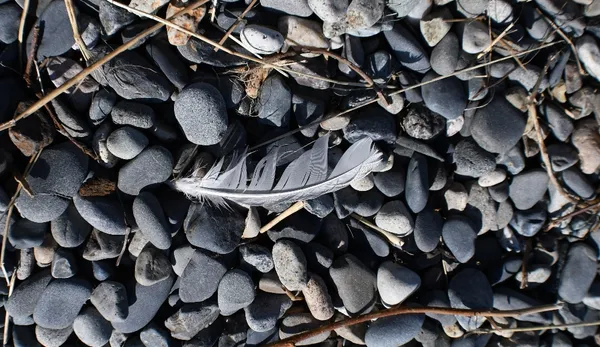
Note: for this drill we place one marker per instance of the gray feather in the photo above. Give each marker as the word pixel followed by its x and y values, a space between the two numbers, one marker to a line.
pixel 303 179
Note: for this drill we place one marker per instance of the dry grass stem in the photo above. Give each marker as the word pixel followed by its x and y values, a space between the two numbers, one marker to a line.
pixel 557 221
pixel 75 27
pixel 127 232
pixel 291 341
pixel 489 48
pixel 21 33
pixel 237 22
pixel 537 328
pixel 393 239
pixel 566 38
pixel 283 215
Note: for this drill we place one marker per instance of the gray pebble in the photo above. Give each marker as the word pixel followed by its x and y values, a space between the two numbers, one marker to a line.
pixel 104 213
pixel 420 123
pixel 470 289
pixel 395 218
pixel 60 303
pixel 444 56
pixel 438 298
pixel 373 123
pixel 527 188
pixel 102 104
pixel 529 222
pixel 290 264
pixel 262 314
pixel 560 124
pixel 190 319
pixel 390 183
pixel 213 228
pixel 562 156
pixel 499 192
pixel 153 335
pixel 575 181
pixel 26 294
pixel 10 17
pixel 261 39
pixel 151 220
pixel 396 283
pixel 100 246
pixel 275 102
pixel 578 273
pixel 471 160
pixel 235 291
pixel 296 323
pixel 356 284
pixel 298 8
pixel 470 8
pixel 504 214
pixel 64 264
pixel 52 337
pixel 370 203
pixel 428 229
pixel 113 18
pixel 589 52
pixel 70 230
pixel 492 178
pixel 446 97
pixel 126 142
pixel 257 256
pixel 153 165
pixel 394 331
pixel 151 266
pixel 25 234
pixel 459 236
pixel 475 37
pixel 201 277
pixel 134 114
pixel 407 49
pixel 497 134
pixel 110 299
pixel 91 328
pixel 513 160
pixel 417 183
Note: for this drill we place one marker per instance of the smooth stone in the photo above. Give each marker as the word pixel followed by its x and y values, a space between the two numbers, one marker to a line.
pixel 296 323
pixel 64 264
pixel 153 165
pixel 100 246
pixel 104 213
pixel 575 181
pixel 470 289
pixel 317 298
pixel 459 236
pixel 148 300
pixel 560 124
pixel 320 207
pixel 201 277
pixel 407 49
pixel 420 123
pixel 275 102
pixel 471 160
pixel 527 78
pixel 257 256
pixel 589 54
pixel 329 10
pixel 61 70
pixel 370 203
pixel 527 188
pixel 110 299
pixel 529 222
pixel 301 227
pixel 262 314
pixel 492 178
pixel 446 97
pixel 73 125
pixel 508 299
pixel 133 113
pixel 54 178
pixel 497 134
pixel 578 273
pixel 113 18
pixel 169 62
pixel 438 298
pixel 24 234
pixel 60 302
pixel 154 335
pixel 213 228
pixel 396 283
pixel 126 142
pixel 298 8
pixel 133 77
pixel 150 218
pixel 504 214
pixel 378 126
pixel 470 8
pixel 91 328
pixel 434 26
pixel 536 274
pixel 456 197
pixel 390 183
pixel 428 229
pixel 151 266
pixel 417 184
pixel 356 284
pixel 513 160
pixel 306 111
pixel 235 291
pixel 586 139
pixel 499 192
pixel 26 294
pixel 105 158
pixel 394 331
pixel 261 39
pixel 500 11
pixel 444 56
pixel 57 36
pixel 475 37
pixel 290 264
pixel 70 230
pixel 52 337
pixel 395 218
pixel 562 156
pixel 10 17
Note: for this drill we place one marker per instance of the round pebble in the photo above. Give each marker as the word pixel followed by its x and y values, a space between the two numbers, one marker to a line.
pixel 126 142
pixel 394 217
pixel 235 291
pixel 459 237
pixel 396 283
pixel 290 264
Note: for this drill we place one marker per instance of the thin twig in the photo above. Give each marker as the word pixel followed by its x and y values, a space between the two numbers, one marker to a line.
pixel 127 232
pixel 75 28
pixel 557 221
pixel 11 286
pixel 35 38
pixel 21 33
pixel 237 22
pixel 393 239
pixel 291 341
pixel 537 328
pixel 495 41
pixel 290 211
pixel 524 276
pixel 418 85
pixel 85 72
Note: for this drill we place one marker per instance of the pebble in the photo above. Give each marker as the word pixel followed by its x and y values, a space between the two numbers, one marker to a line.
pixel 110 299
pixel 577 182
pixel 536 274
pixel 70 230
pixel 422 124
pixel 470 289
pixel 53 184
pixel 471 160
pixel 317 298
pixel 113 18
pixel 201 277
pixel 407 49
pixel 355 283
pixel 290 265
pixel 578 273
pixel 562 156
pixel 459 236
pixel 435 26
pixel 261 39
pixel 26 294
pixel 456 197
pixel 275 102
pixel 320 207
pixel 150 218
pixel 417 182
pixel 396 283
pixel 395 218
pixel 213 228
pixel 153 335
pixel 377 125
pixel 266 309
pixel 60 70
pixel 330 10
pixel 499 192
pixel 257 256
pixel 151 266
pixel 52 337
pixel 133 113
pixel 201 112
pixel 363 184
pixel 318 257
pixel 586 139
pixel 64 264
pixel 497 134
pixel 428 230
pixel 446 97
pixel 190 319
pixel 235 291
pixel 513 160
pixel 169 62
pixel 394 331
pixel 126 142
pixel 10 15
pixel 25 234
pixel 370 203
pixel 500 11
pixel 390 183
pixel 492 178
pixel 444 56
pixel 298 8
pixel 105 158
pixel 59 35
pixel 91 328
pixel 504 214
pixel 148 300
pixel 153 165
pixel 560 124
pixel 104 213
pixel 529 222
pixel 589 54
pixel 475 37
pixel 60 302
pixel 102 246
pixel 527 188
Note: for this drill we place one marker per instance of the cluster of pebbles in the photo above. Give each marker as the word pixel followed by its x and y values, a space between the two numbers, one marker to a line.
pixel 103 251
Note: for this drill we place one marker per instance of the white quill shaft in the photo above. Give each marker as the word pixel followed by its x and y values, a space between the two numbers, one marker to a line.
pixel 304 178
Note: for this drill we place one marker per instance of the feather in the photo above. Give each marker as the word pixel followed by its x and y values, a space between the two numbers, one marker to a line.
pixel 304 178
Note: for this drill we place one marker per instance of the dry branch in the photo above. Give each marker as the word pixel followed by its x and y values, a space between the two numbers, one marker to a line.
pixel 75 28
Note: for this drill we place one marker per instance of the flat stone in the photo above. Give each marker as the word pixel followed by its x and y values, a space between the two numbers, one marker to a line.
pixel 395 218
pixel 513 160
pixel 435 26
pixel 297 323
pixel 527 188
pixel 126 142
pixel 396 283
pixel 302 227
pixel 275 102
pixel 91 328
pixel 52 337
pixel 261 39
pixel 470 289
pixel 317 298
pixel 446 97
pixel 201 277
pixel 390 183
pixel 562 156
pixel 153 165
pixel 64 264
pixel 471 160
pixel 560 124
pixel 151 220
pixel 428 230
pixel 73 125
pixel 25 234
pixel 102 246
pixel 298 8
pixel 60 303
pixel 61 69
pixel 58 38
pixel 329 10
pixel 407 49
pixel 459 236
pixel 154 335
pixel 497 134
pixel 113 18
pixel 235 291
pixel 133 113
pixel 26 294
pixel 394 331
pixel 417 183
pixel 265 310
pixel 456 197
pixel 529 222
pixel 215 229
pixel 290 265
pixel 110 299
pixel 257 256
pixel 475 37
pixel 356 284
pixel 151 266
pixel 104 213
pixel 492 178
pixel 578 273
pixel 577 182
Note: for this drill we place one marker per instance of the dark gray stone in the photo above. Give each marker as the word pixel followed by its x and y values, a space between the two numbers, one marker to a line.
pixel 133 113
pixel 396 283
pixel 10 17
pixel 407 49
pixel 151 220
pixel 527 188
pixel 497 134
pixel 417 183
pixel 355 283
pixel 391 182
pixel 26 294
pixel 64 264
pixel 60 302
pixel 444 57
pixel 153 165
pixel 446 97
pixel 169 62
pixel 110 299
pixel 151 266
pixel 57 36
pixel 126 142
pixel 102 105
pixel 577 182
pixel 422 124
pixel 91 328
pixel 262 314
pixel 25 234
pixel 102 246
pixel 578 273
pixel 52 337
pixel 298 8
pixel 235 291
pixel 562 156
pixel 275 100
pixel 513 160
pixel 153 335
pixel 321 206
pixel 190 319
pixel 256 256
pixel 301 227
pixel 113 18
pixel 459 236
pixel 104 213
pixel 428 229
pixel 70 230
pixel 213 228
pixel 201 277
pixel 394 331
pixel 529 222
pixel 558 121
pixel 374 123
pixel 470 289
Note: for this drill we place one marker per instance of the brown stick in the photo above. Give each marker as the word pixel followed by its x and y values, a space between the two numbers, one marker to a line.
pixel 83 74
pixel 538 328
pixel 237 22
pixel 35 38
pixel 21 33
pixel 418 85
pixel 291 341
pixel 393 239
pixel 75 28
pixel 290 211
